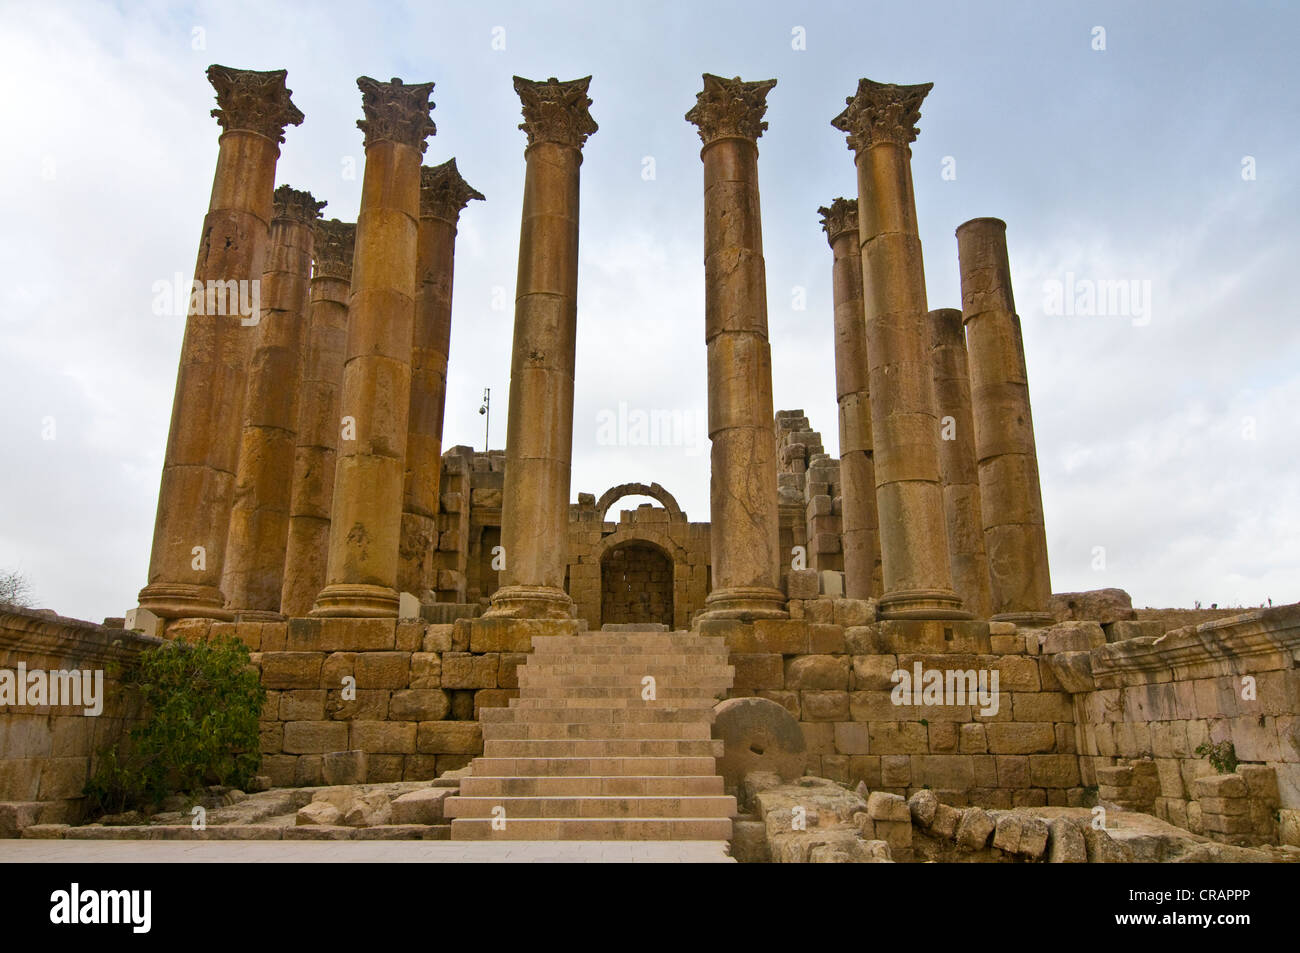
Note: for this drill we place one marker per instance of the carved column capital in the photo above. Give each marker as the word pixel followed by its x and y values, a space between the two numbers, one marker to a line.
pixel 882 112
pixel 556 112
pixel 443 193
pixel 730 108
pixel 840 217
pixel 296 206
pixel 332 246
pixel 253 100
pixel 396 112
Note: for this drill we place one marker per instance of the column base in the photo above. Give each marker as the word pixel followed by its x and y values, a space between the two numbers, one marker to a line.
pixel 745 603
pixel 1030 620
pixel 922 604
pixel 179 600
pixel 530 602
pixel 356 601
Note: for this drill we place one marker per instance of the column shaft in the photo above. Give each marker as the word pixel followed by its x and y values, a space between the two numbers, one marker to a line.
pixel 861 531
pixel 916 575
pixel 957 462
pixel 315 457
pixel 366 513
pixel 745 528
pixel 194 498
pixel 539 429
pixel 1011 502
pixel 259 519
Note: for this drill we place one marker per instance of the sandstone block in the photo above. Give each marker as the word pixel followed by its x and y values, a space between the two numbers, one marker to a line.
pixel 817 672
pixel 420 807
pixel 343 767
pixel 1065 842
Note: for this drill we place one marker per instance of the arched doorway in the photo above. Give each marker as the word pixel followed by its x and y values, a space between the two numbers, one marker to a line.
pixel 636 584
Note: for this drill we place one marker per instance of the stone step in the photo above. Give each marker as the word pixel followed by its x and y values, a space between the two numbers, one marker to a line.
pixel 651 664
pixel 601 748
pixel 590 828
pixel 606 701
pixel 591 806
pixel 645 731
pixel 624 786
pixel 606 715
pixel 585 685
pixel 630 692
pixel 589 767
pixel 690 644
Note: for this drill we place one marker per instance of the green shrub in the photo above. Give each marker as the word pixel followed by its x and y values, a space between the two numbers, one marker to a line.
pixel 201 704
pixel 1222 756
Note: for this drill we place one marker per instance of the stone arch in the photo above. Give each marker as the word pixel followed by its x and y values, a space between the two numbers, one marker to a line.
pixel 654 491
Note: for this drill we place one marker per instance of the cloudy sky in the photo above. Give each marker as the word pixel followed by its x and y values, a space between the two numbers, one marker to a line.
pixel 1161 149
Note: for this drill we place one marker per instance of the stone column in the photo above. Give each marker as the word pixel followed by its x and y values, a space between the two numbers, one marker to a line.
pixel 366 515
pixel 1010 498
pixel 539 431
pixel 957 463
pixel 881 124
pixel 318 418
pixel 745 530
pixel 259 516
pixel 194 499
pixel 861 531
pixel 443 193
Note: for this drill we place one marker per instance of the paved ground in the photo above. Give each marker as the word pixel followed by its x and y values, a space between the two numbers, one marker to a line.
pixel 409 852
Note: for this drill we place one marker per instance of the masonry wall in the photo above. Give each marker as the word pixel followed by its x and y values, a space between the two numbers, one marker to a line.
pixel 47 753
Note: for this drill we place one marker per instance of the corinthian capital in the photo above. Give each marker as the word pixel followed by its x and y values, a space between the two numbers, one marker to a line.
pixel 396 112
pixel 332 246
pixel 882 112
pixel 443 193
pixel 841 217
pixel 555 111
pixel 296 206
pixel 730 108
pixel 253 100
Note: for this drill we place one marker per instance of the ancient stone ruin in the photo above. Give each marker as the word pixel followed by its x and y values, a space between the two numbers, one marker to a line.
pixel 854 659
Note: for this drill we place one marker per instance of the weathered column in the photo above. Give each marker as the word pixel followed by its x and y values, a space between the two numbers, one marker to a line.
pixel 881 124
pixel 539 432
pixel 259 515
pixel 957 463
pixel 443 193
pixel 745 530
pixel 1010 497
pixel 861 531
pixel 315 457
pixel 194 499
pixel 366 515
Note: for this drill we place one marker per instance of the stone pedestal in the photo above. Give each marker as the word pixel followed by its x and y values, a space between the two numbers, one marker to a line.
pixel 443 193
pixel 881 124
pixel 366 516
pixel 957 463
pixel 198 478
pixel 318 418
pixel 742 488
pixel 259 517
pixel 539 436
pixel 861 531
pixel 1010 499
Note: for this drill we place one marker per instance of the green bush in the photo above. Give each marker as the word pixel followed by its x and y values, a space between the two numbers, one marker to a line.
pixel 201 704
pixel 1222 756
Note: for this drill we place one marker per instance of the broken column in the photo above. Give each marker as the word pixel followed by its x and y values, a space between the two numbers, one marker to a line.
pixel 539 437
pixel 861 534
pixel 744 535
pixel 1011 501
pixel 259 516
pixel 366 516
pixel 318 418
pixel 957 463
pixel 198 477
pixel 443 193
pixel 880 123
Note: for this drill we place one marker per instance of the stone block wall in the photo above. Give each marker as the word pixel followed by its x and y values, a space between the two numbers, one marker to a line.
pixel 1144 705
pixel 832 669
pixel 47 753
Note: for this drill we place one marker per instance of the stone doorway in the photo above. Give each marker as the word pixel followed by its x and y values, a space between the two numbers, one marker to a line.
pixel 636 584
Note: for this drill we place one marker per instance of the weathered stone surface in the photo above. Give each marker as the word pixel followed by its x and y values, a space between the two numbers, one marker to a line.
pixel 1065 842
pixel 974 829
pixel 758 736
pixel 419 807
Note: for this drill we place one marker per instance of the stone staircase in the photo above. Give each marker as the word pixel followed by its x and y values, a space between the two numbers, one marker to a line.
pixel 581 755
